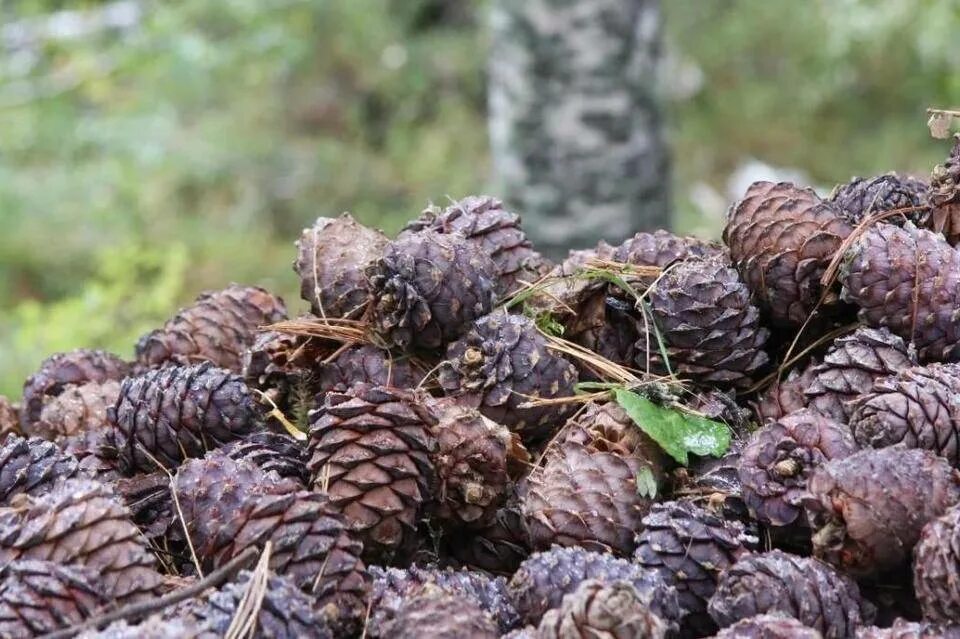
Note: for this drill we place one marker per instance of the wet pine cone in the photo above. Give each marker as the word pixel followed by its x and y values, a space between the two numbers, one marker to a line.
pixel 868 509
pixel 804 588
pixel 860 198
pixel 218 327
pixel 662 248
pixel 615 610
pixel 367 364
pixel 775 626
pixel 77 409
pixel 437 614
pixel 936 565
pixel 785 396
pixel 38 597
pixel 499 547
pixel 32 466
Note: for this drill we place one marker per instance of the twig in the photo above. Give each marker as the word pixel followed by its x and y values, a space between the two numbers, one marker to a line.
pixel 145 608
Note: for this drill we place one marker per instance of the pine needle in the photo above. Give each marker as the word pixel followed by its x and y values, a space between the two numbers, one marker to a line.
pixel 278 415
pixel 335 329
pixel 244 622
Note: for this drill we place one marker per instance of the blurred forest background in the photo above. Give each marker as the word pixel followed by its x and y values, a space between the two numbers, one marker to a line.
pixel 149 150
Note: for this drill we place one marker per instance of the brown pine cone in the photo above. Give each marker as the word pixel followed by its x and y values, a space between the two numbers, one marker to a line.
pixel 370 452
pixel 851 366
pixel 9 418
pixel 283 612
pixel 32 466
pixel 662 248
pixel 505 362
pixel 435 614
pixel 614 610
pixel 179 412
pixel 710 330
pixel 775 626
pixel 917 408
pixel 218 327
pixel 394 587
pixel 367 364
pixel 61 370
pixel 149 501
pixel 868 509
pixel 936 565
pixel 809 590
pixel 784 396
pixel 545 577
pixel 903 629
pixel 229 506
pixel 564 291
pixel 779 459
pixel 690 546
pixel 83 522
pixel 944 195
pixel 781 239
pixel 496 232
pixel 473 461
pixel 498 548
pixel 273 452
pixel 96 451
pixel 331 258
pixel 428 288
pixel 151 628
pixel 282 367
pixel 39 597
pixel 76 409
pixel 859 198
pixel 906 279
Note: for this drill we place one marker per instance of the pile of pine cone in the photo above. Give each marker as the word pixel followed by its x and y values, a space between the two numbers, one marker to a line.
pixel 435 451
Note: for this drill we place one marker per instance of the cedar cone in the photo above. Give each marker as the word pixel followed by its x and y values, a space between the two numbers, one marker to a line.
pixel 32 466
pixel 615 610
pixel 96 450
pixel 370 452
pixel 908 280
pixel 690 546
pixel 428 288
pixel 662 248
pixel 82 522
pixel 367 364
pixel 179 412
pixel 944 195
pixel 331 258
pixel 868 509
pixel 779 459
pixel 76 409
pixel 505 362
pixel 282 366
pixel 851 366
pixel 809 590
pixel 903 629
pixel 781 239
pixel 860 198
pixel 9 418
pixel 39 597
pixel 59 371
pixel 148 499
pixel 436 614
pixel 785 396
pixel 775 626
pixel 493 230
pixel 917 407
pixel 273 452
pixel 936 564
pixel 500 547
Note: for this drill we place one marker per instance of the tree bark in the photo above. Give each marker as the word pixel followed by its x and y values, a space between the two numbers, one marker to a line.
pixel 575 125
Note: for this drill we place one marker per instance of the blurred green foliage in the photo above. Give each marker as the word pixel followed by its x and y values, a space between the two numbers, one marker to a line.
pixel 142 164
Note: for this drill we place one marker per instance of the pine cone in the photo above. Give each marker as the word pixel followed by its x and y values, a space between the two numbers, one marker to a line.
pixel 859 198
pixel 851 366
pixel 9 418
pixel 906 279
pixel 491 229
pixel 774 626
pixel 282 366
pixel 689 547
pixel 428 288
pixel 779 459
pixel 903 629
pixel 218 327
pixel 586 497
pixel 367 364
pixel 785 396
pixel 711 331
pixel 500 547
pixel 82 522
pixel 272 452
pixel 440 615
pixel 936 565
pixel 229 506
pixel 781 239
pixel 284 612
pixel 370 451
pixel 542 580
pixel 563 293
pixel 61 370
pixel 394 587
pixel 76 409
pixel 32 466
pixel 608 326
pixel 473 460
pixel 96 451
pixel 151 628
pixel 662 248
pixel 807 589
pixel 331 258
pixel 917 407
pixel 944 195
pixel 178 412
pixel 505 361
pixel 868 508
pixel 39 597
pixel 149 501
pixel 615 610
pixel 714 483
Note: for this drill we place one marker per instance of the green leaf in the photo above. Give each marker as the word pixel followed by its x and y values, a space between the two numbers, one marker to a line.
pixel 677 433
pixel 646 483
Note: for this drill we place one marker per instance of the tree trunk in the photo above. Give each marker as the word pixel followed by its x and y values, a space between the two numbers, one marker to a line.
pixel 575 125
